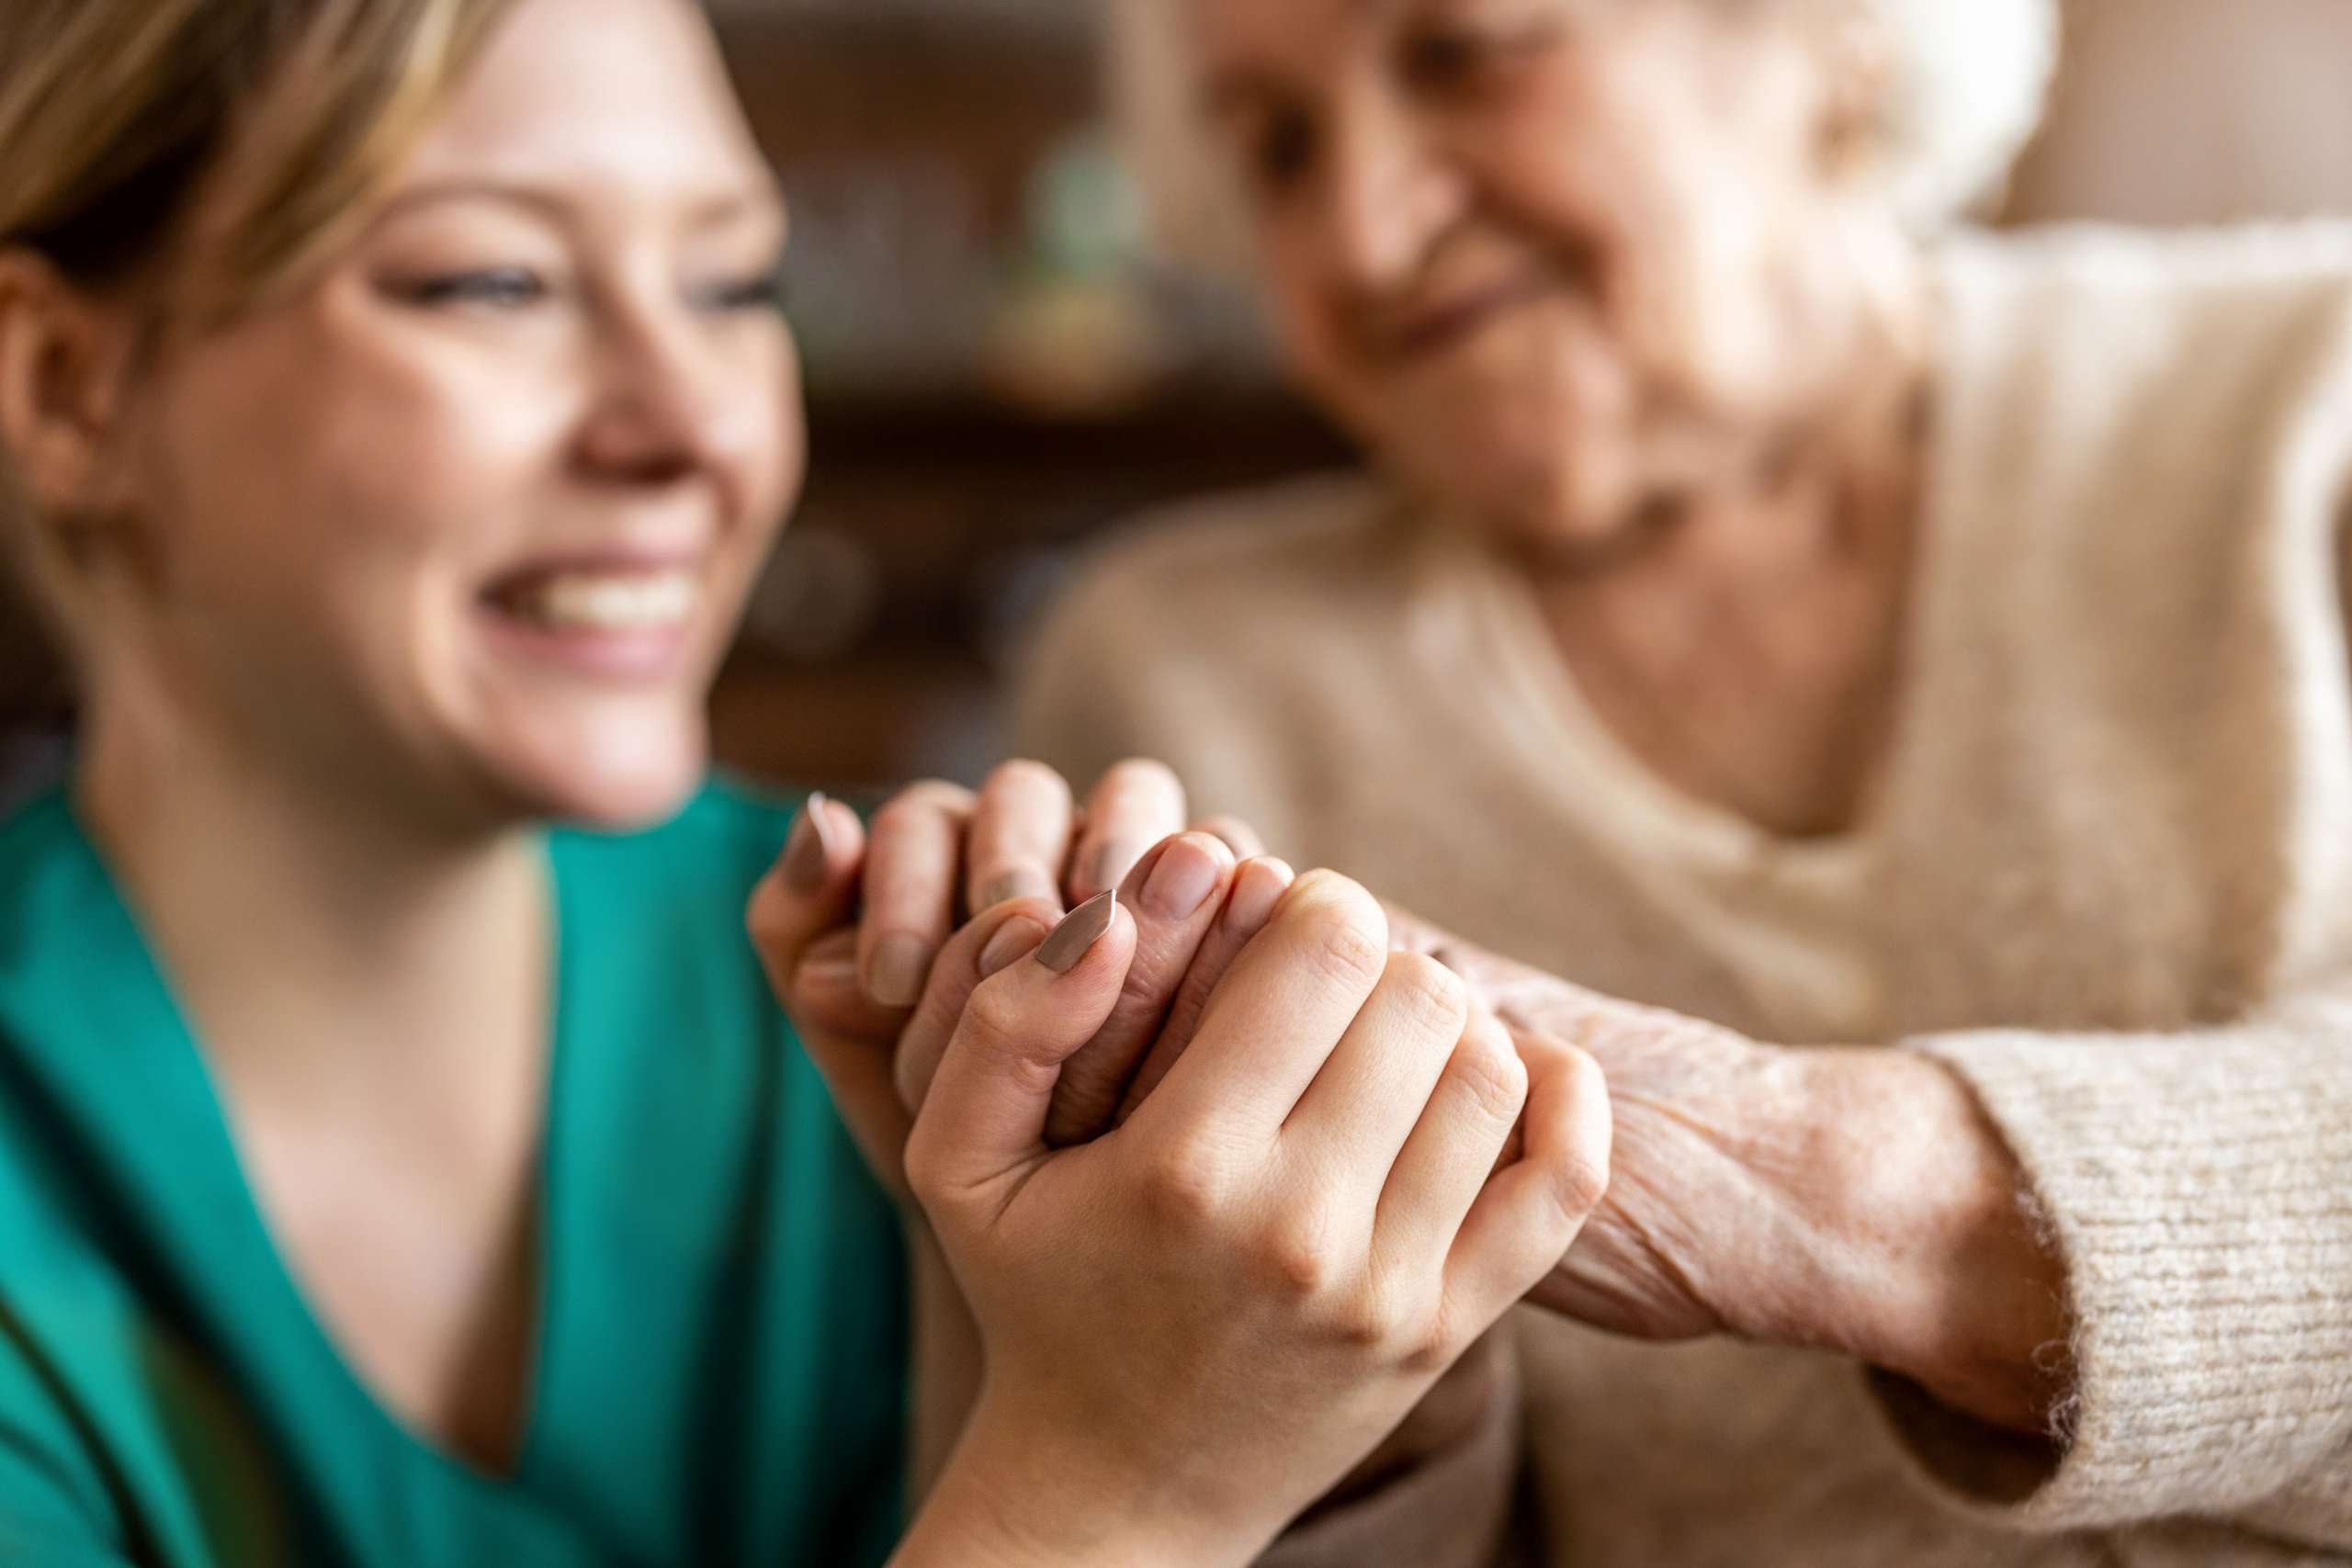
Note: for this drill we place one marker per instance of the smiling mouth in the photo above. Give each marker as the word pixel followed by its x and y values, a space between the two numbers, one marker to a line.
pixel 1442 327
pixel 605 603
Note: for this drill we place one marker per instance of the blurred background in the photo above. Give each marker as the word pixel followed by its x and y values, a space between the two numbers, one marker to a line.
pixel 998 369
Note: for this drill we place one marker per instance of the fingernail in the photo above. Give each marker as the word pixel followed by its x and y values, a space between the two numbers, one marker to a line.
pixel 1113 861
pixel 1078 933
pixel 900 966
pixel 1015 942
pixel 1018 884
pixel 1181 881
pixel 1259 887
pixel 807 856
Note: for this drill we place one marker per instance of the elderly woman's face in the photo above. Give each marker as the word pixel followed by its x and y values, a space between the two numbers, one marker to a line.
pixel 1550 258
pixel 472 514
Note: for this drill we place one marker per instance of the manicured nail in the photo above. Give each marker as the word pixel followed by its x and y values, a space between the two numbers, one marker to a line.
pixel 1113 861
pixel 1028 883
pixel 1078 933
pixel 1015 942
pixel 1258 887
pixel 1181 881
pixel 809 853
pixel 902 963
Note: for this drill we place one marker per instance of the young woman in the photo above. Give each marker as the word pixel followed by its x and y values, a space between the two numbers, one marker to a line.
pixel 396 410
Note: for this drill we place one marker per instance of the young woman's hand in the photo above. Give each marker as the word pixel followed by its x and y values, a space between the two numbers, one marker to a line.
pixel 1198 1322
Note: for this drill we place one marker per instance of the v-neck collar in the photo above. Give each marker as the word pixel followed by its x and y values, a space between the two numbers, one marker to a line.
pixel 186 1203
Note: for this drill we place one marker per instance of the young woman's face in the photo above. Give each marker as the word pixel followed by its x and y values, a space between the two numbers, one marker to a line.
pixel 473 516
pixel 1549 257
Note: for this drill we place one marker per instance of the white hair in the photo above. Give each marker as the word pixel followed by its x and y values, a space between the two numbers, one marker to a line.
pixel 1970 80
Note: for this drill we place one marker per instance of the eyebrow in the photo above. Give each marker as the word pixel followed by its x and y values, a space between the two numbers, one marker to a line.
pixel 708 213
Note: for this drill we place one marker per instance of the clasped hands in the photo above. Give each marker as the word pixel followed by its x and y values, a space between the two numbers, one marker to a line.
pixel 1261 1139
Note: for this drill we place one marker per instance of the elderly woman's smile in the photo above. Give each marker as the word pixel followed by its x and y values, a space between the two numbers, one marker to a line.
pixel 1548 255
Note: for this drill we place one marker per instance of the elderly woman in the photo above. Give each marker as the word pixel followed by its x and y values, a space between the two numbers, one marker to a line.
pixel 1825 639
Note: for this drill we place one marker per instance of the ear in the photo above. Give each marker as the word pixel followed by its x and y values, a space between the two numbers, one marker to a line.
pixel 65 361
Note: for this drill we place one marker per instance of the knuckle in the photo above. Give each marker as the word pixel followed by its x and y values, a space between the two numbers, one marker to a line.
pixel 1489 1071
pixel 1301 1258
pixel 1188 1185
pixel 1434 996
pixel 1579 1179
pixel 1388 1321
pixel 1347 957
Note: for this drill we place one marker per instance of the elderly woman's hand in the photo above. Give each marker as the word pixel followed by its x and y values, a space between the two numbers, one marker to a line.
pixel 1856 1201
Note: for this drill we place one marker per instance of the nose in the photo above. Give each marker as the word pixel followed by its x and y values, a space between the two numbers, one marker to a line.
pixel 1389 193
pixel 666 408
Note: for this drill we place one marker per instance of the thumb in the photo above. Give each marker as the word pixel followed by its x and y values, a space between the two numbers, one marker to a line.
pixel 984 1120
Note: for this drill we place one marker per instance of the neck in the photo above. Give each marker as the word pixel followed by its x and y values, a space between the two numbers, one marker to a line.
pixel 304 928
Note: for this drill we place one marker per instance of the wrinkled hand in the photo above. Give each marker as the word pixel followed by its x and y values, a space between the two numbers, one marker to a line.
pixel 1855 1201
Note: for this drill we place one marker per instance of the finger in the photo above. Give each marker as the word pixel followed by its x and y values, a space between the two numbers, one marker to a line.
pixel 1174 892
pixel 983 1124
pixel 1239 836
pixel 1020 837
pixel 1453 1150
pixel 1281 1012
pixel 809 893
pixel 992 943
pixel 1136 805
pixel 1258 887
pixel 1523 1223
pixel 1376 1089
pixel 911 881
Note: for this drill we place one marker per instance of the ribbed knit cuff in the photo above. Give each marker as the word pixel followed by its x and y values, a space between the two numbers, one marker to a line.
pixel 2200 1188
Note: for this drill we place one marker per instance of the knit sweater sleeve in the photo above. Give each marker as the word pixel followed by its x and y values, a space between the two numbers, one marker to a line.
pixel 2199 1188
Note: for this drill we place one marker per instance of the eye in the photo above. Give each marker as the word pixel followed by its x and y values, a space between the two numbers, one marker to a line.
pixel 764 293
pixel 498 288
pixel 1441 57
pixel 1280 150
pixel 1457 57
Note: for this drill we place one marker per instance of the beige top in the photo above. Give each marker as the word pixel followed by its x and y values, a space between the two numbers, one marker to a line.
pixel 2121 800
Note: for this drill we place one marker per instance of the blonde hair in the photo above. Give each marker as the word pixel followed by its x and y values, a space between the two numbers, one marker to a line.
pixel 1970 84
pixel 124 119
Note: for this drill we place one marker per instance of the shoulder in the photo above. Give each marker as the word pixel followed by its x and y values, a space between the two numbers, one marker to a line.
pixel 2092 331
pixel 2177 395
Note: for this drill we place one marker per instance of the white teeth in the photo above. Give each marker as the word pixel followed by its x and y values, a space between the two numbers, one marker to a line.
pixel 638 602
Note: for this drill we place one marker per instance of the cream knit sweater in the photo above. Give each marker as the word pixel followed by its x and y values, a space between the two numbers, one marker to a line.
pixel 2108 880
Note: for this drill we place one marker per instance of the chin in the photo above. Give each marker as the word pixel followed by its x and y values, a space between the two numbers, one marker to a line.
pixel 615 778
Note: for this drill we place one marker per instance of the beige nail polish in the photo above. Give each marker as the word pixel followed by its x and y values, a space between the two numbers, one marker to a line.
pixel 1078 933
pixel 809 851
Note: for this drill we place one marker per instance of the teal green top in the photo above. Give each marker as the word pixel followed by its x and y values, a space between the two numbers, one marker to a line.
pixel 721 1362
